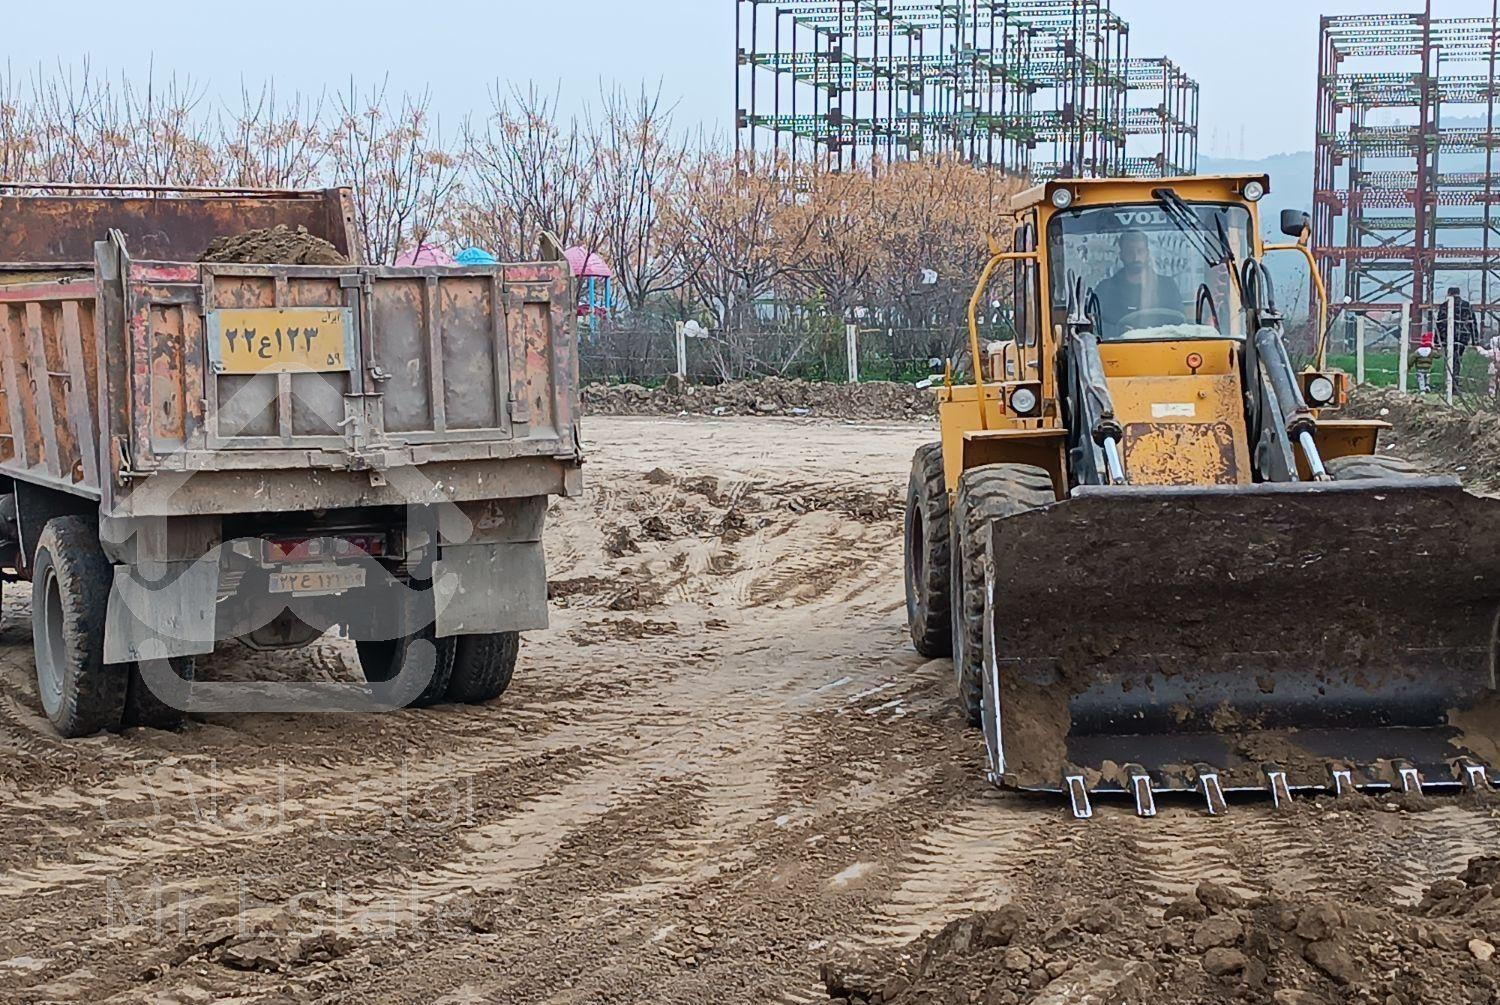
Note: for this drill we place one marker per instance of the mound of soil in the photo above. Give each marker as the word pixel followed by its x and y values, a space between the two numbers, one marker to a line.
pixel 1450 440
pixel 278 245
pixel 1216 946
pixel 773 396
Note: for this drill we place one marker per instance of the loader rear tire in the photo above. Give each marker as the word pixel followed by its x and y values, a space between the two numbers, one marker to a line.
pixel 929 555
pixel 1370 467
pixel 985 494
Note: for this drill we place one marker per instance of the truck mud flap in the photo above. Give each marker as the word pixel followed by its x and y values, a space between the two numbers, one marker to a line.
pixel 1273 637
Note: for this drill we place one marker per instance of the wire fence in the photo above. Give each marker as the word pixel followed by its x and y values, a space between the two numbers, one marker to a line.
pixel 648 353
pixel 1371 347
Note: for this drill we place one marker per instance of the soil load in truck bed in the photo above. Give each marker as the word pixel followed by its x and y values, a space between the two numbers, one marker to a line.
pixel 278 245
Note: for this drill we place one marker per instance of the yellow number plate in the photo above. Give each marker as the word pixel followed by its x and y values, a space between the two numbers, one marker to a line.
pixel 273 340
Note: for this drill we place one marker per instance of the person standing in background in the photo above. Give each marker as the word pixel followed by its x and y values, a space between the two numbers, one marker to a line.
pixel 1421 363
pixel 1465 328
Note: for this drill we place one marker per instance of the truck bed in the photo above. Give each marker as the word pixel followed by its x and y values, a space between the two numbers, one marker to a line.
pixel 265 388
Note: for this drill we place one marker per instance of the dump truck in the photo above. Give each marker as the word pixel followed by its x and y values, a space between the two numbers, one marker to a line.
pixel 193 452
pixel 1161 557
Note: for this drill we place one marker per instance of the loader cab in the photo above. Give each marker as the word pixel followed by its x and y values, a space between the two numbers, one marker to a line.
pixel 1155 256
pixel 1148 279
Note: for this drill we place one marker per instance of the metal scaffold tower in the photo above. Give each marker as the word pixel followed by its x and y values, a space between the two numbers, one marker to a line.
pixel 1404 187
pixel 1040 87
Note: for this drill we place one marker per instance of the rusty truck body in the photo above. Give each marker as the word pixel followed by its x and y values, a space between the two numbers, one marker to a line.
pixel 195 452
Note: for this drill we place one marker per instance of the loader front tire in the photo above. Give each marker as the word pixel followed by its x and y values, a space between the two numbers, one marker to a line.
pixel 985 494
pixel 1370 467
pixel 929 555
pixel 71 578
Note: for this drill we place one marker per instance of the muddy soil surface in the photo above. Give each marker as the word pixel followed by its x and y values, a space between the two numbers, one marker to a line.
pixel 1447 440
pixel 721 768
pixel 873 400
pixel 278 245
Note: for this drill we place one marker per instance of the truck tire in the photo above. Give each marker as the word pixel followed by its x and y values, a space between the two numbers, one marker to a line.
pixel 383 660
pixel 929 555
pixel 144 708
pixel 70 586
pixel 985 494
pixel 1368 467
pixel 483 666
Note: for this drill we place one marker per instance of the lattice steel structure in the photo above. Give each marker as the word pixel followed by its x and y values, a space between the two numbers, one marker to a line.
pixel 1045 87
pixel 1404 186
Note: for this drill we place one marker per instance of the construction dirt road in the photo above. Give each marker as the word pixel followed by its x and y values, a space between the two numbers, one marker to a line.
pixel 723 767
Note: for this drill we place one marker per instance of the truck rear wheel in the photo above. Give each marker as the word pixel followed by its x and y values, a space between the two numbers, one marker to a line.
pixel 929 554
pixel 70 586
pixel 144 708
pixel 483 666
pixel 384 660
pixel 985 494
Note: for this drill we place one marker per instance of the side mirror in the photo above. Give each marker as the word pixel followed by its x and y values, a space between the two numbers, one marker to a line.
pixel 1294 222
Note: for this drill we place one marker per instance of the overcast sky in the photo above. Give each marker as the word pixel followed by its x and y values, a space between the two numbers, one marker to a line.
pixel 1256 61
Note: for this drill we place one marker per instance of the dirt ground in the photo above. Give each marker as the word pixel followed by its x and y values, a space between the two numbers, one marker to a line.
pixel 772 396
pixel 722 776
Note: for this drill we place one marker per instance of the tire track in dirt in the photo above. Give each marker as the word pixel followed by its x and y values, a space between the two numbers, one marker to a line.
pixel 1437 844
pixel 671 769
pixel 968 863
pixel 1167 856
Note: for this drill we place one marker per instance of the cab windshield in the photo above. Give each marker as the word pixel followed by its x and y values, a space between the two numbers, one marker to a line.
pixel 1158 270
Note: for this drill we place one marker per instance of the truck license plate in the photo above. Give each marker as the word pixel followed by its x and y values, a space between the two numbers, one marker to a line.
pixel 277 339
pixel 318 579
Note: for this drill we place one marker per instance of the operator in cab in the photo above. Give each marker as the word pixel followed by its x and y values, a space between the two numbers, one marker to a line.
pixel 1137 287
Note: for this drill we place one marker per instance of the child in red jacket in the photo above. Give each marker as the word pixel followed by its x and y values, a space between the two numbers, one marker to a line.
pixel 1421 362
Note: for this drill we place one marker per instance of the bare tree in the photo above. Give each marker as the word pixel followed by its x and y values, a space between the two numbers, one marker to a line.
pixel 735 242
pixel 165 140
pixel 268 143
pixel 392 154
pixel 637 166
pixel 528 173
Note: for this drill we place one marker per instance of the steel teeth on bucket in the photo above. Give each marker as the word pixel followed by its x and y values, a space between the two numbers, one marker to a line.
pixel 1342 780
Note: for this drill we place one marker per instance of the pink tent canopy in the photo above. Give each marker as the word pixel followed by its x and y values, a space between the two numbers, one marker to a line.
pixel 424 254
pixel 588 265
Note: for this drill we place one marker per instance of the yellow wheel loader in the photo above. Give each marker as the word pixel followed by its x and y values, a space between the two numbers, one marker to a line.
pixel 1160 558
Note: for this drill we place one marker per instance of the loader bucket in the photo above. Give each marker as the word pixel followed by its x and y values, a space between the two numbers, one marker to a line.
pixel 1270 637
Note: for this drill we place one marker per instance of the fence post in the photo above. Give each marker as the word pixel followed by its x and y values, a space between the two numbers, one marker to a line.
pixel 851 341
pixel 1359 351
pixel 1452 368
pixel 682 350
pixel 1402 364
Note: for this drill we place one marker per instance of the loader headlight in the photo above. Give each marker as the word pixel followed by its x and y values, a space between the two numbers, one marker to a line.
pixel 1320 391
pixel 1062 198
pixel 1254 191
pixel 1023 401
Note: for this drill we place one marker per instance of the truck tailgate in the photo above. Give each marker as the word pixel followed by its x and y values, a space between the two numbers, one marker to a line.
pixel 248 367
